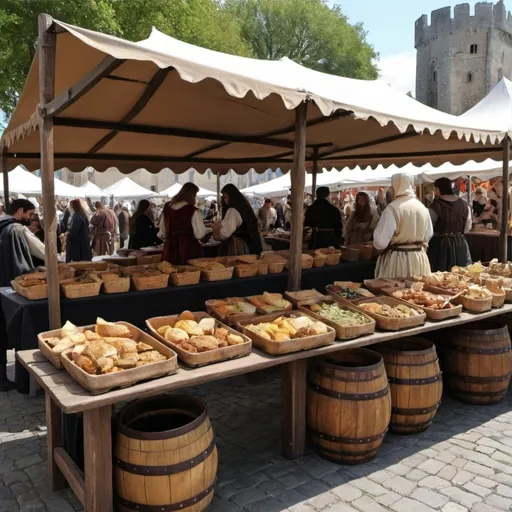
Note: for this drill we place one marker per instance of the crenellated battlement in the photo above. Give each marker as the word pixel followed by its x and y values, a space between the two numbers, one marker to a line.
pixel 486 15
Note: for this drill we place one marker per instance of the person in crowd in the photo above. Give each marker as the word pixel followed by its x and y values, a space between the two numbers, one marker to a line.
pixel 279 208
pixel 479 202
pixel 380 201
pixel 18 245
pixel 64 222
pixel 104 223
pixel 143 232
pixel 211 212
pixel 288 213
pixel 492 210
pixel 118 207
pixel 403 233
pixel 267 216
pixel 324 219
pixel 362 221
pixel 123 217
pixel 78 244
pixel 389 195
pixel 182 227
pixel 238 229
pixel 451 218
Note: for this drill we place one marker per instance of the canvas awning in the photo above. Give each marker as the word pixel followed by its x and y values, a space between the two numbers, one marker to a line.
pixel 161 102
pixel 126 188
pixel 176 187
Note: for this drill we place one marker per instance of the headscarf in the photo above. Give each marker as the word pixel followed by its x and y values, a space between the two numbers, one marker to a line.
pixel 403 185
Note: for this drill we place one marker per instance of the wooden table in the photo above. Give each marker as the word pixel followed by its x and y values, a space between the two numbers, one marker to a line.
pixel 94 487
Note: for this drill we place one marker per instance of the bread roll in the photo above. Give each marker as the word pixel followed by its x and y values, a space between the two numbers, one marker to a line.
pixel 112 330
pixel 175 335
pixel 187 315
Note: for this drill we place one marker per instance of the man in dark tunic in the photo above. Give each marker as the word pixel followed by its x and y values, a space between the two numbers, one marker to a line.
pixel 17 243
pixel 325 221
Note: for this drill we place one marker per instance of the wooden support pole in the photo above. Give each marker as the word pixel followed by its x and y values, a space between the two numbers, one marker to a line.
pixel 315 173
pixel 54 440
pixel 218 193
pixel 5 175
pixel 47 51
pixel 298 181
pixel 504 203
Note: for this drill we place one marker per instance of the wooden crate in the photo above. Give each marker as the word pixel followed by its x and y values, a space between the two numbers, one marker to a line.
pixel 247 270
pixel 121 285
pixel 202 358
pixel 102 383
pixel 36 292
pixel 75 290
pixel 150 282
pixel 289 346
pixel 185 275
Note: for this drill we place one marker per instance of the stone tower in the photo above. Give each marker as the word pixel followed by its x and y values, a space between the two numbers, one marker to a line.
pixel 460 59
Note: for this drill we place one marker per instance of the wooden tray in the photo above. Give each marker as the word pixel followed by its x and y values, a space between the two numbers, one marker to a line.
pixel 302 295
pixel 74 290
pixel 342 332
pixel 202 358
pixel 122 261
pixel 223 274
pixel 150 282
pixel 231 320
pixel 82 266
pixel 37 292
pixel 392 324
pixel 149 259
pixel 337 297
pixel 285 347
pixel 432 314
pixel 247 270
pixel 121 285
pixel 376 285
pixel 65 271
pixel 262 311
pixel 97 384
pixel 185 275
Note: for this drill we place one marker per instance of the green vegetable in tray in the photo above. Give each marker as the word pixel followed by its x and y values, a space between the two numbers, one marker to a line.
pixel 336 314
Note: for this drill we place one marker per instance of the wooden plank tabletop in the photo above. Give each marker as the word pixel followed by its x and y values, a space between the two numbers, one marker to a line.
pixel 72 398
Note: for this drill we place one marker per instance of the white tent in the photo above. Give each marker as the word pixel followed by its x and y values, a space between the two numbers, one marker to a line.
pixel 176 187
pixel 126 188
pixel 66 190
pixel 93 191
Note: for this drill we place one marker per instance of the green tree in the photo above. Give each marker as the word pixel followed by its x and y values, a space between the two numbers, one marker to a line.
pixel 199 22
pixel 308 32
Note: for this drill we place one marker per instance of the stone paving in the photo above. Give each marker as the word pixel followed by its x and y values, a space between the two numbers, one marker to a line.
pixel 462 463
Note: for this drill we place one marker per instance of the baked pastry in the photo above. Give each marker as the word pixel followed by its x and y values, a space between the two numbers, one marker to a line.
pixel 52 341
pixel 104 364
pixel 187 315
pixel 153 356
pixel 114 369
pixel 204 343
pixel 77 338
pixel 234 339
pixel 207 325
pixel 188 347
pixel 112 330
pixel 162 330
pixel 126 363
pixel 191 327
pixel 77 350
pixel 62 345
pixel 175 335
pixel 123 345
pixel 86 364
pixel 143 347
pixel 91 336
pixel 221 334
pixel 99 348
pixel 67 329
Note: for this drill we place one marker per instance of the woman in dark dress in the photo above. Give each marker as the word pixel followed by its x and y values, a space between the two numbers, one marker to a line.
pixel 451 218
pixel 238 229
pixel 78 244
pixel 142 230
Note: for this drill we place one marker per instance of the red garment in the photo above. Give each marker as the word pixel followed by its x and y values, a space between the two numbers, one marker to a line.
pixel 181 244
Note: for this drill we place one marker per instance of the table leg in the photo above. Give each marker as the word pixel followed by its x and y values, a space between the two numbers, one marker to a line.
pixel 98 459
pixel 54 440
pixel 293 408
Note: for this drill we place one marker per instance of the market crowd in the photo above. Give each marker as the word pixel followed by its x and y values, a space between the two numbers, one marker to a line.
pixel 411 237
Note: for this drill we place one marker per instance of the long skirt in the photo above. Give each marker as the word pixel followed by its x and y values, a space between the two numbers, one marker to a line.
pixel 444 252
pixel 400 265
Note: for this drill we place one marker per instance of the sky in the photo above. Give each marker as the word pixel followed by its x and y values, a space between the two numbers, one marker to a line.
pixel 390 27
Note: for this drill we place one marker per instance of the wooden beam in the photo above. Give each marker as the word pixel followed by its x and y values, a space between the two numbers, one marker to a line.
pixel 47 47
pixel 293 408
pixel 298 181
pixel 314 173
pixel 504 202
pixel 5 178
pixel 153 86
pixel 67 98
pixel 369 144
pixel 54 440
pixel 218 196
pixel 71 473
pixel 172 132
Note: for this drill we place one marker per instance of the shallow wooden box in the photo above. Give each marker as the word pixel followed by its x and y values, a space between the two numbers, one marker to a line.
pixel 336 296
pixel 342 332
pixel 432 314
pixel 65 271
pixel 36 292
pixel 302 295
pixel 305 263
pixel 121 285
pixel 74 290
pixel 185 275
pixel 376 285
pixel 262 311
pixel 289 346
pixel 231 320
pixel 149 259
pixel 223 274
pixel 82 266
pixel 392 324
pixel 263 268
pixel 247 270
pixel 150 282
pixel 122 261
pixel 274 267
pixel 202 358
pixel 318 260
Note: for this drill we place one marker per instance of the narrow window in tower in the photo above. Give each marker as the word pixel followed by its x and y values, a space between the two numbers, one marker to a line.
pixel 470 76
pixel 473 49
pixel 434 76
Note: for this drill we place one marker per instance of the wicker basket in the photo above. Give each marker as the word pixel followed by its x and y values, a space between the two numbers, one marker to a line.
pixel 150 282
pixel 185 275
pixel 263 268
pixel 148 260
pixel 37 292
pixel 498 299
pixel 120 285
pixel 247 270
pixel 366 252
pixel 76 290
pixel 319 260
pixel 333 255
pixel 222 274
pixel 350 254
pixel 475 305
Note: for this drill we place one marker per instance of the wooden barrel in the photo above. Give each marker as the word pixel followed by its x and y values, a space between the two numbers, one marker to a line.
pixel 478 363
pixel 165 456
pixel 349 406
pixel 415 381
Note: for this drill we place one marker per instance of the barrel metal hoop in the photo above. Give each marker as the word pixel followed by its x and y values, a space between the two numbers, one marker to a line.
pixel 426 363
pixel 415 382
pixel 414 426
pixel 359 453
pixel 484 351
pixel 349 396
pixel 140 507
pixel 137 469
pixel 415 412
pixel 479 380
pixel 463 392
pixel 346 440
pixel 331 373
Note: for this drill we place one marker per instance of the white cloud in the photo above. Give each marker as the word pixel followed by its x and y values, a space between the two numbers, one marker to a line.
pixel 399 71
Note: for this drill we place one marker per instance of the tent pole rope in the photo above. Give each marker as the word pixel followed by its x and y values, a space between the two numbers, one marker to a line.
pixel 315 172
pixel 6 179
pixel 298 181
pixel 47 46
pixel 504 202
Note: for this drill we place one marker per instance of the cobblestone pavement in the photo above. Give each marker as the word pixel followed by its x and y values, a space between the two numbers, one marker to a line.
pixel 462 463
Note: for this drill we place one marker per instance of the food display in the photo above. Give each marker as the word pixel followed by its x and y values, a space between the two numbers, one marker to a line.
pixel 417 296
pixel 392 314
pixel 302 295
pixel 231 310
pixel 148 277
pixel 115 282
pixel 198 338
pixel 445 281
pixel 500 269
pixel 282 333
pixel 348 291
pixel 270 303
pixel 339 315
pixel 212 270
pixel 400 311
pixel 377 285
pixel 87 285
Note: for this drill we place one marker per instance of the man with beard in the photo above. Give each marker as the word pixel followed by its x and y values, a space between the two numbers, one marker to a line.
pixel 18 245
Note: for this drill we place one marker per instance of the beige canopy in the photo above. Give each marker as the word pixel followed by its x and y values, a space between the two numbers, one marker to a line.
pixel 161 102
